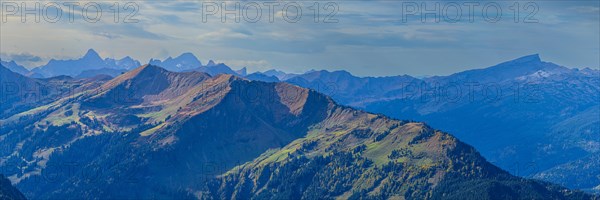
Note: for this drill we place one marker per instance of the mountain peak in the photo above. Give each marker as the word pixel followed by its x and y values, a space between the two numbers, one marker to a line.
pixel 187 56
pixel 211 63
pixel 528 58
pixel 149 68
pixel 91 53
pixel 13 66
pixel 183 62
pixel 242 72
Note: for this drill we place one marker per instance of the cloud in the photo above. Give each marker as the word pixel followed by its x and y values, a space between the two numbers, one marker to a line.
pixel 586 9
pixel 22 57
pixel 171 19
pixel 368 33
pixel 176 6
pixel 106 35
pixel 161 53
pixel 123 30
pixel 222 34
pixel 25 59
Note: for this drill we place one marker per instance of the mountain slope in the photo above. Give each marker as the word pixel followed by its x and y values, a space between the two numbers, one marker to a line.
pixel 103 71
pixel 19 93
pixel 196 106
pixel 7 191
pixel 543 114
pixel 151 133
pixel 537 115
pixel 369 156
pixel 13 66
pixel 519 67
pixel 575 173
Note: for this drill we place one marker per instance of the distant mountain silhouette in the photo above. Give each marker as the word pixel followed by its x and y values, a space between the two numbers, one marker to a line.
pixel 257 76
pixel 90 61
pixel 13 66
pixel 352 90
pixel 279 74
pixel 215 69
pixel 184 62
pixel 242 72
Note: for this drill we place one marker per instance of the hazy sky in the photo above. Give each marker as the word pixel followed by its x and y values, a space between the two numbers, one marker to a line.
pixel 374 38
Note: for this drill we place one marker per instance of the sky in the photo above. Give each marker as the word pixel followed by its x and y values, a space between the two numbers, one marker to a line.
pixel 366 38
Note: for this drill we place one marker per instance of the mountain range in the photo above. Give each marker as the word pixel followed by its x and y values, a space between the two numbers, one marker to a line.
pixel 532 118
pixel 90 61
pixel 153 133
pixel 91 64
